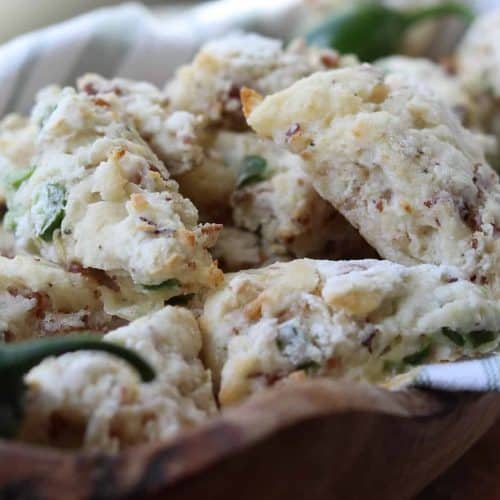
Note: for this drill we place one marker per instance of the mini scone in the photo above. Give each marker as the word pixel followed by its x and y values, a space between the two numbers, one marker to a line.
pixel 279 202
pixel 175 136
pixel 478 67
pixel 395 162
pixel 359 320
pixel 211 84
pixel 39 298
pixel 100 198
pixel 262 188
pixel 96 402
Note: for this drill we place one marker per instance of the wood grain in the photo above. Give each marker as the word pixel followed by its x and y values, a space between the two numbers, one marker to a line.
pixel 317 440
pixel 475 475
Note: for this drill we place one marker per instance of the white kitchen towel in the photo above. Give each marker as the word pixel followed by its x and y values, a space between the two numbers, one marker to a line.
pixel 130 41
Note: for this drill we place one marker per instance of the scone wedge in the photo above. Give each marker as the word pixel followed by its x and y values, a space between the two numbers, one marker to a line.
pixel 94 401
pixel 365 320
pixel 396 163
pixel 99 198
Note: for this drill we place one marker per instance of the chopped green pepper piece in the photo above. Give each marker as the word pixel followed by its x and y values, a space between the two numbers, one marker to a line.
pixel 418 357
pixel 454 336
pixel 16 178
pixel 48 209
pixel 17 359
pixel 170 283
pixel 481 337
pixel 372 30
pixel 253 168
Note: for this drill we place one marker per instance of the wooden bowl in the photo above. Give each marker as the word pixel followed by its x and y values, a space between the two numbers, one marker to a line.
pixel 318 439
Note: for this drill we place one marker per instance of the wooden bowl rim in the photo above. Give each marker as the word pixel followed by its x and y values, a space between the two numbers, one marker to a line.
pixel 240 427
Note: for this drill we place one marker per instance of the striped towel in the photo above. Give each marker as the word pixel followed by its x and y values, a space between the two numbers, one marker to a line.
pixel 131 42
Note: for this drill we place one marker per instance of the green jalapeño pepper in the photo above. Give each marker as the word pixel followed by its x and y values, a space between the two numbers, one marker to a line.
pixel 17 359
pixel 372 30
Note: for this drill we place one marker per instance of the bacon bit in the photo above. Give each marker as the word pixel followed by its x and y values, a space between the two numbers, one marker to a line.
pixel 42 301
pixel 97 275
pixel 474 243
pixel 429 203
pixel 293 130
pixel 406 207
pixel 234 91
pixel 438 222
pixel 483 280
pixel 333 363
pixel 468 215
pixel 379 205
pixel 329 59
pixel 272 378
pixel 90 89
pixel 450 279
pixel 99 101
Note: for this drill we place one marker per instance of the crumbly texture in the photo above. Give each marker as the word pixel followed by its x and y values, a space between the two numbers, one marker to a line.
pixel 445 85
pixel 97 402
pixel 38 298
pixel 17 147
pixel 175 136
pixel 211 84
pixel 478 67
pixel 238 249
pixel 279 206
pixel 100 198
pixel 396 163
pixel 359 320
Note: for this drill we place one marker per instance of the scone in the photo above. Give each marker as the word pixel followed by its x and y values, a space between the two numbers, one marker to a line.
pixel 478 67
pixel 99 198
pixel 175 136
pixel 264 191
pixel 395 162
pixel 210 85
pixel 94 401
pixel 39 298
pixel 359 320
